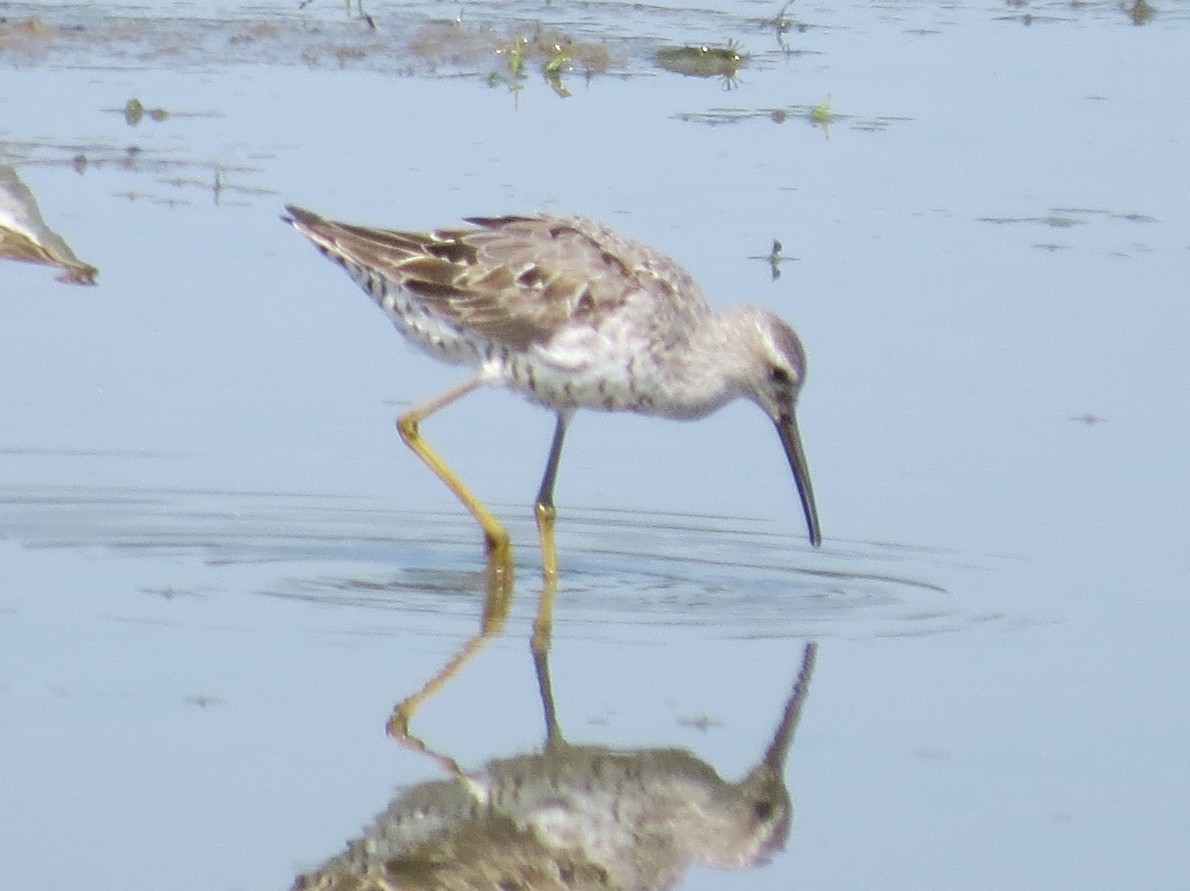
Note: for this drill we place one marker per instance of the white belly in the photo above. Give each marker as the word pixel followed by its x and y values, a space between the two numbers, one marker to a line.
pixel 582 367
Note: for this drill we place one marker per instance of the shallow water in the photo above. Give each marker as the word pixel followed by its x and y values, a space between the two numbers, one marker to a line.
pixel 219 569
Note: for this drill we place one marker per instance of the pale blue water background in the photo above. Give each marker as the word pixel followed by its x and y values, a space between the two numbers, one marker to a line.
pixel 219 568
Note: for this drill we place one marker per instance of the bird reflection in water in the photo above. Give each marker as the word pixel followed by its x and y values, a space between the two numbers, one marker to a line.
pixel 572 816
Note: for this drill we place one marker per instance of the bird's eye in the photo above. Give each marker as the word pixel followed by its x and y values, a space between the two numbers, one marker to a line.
pixel 779 375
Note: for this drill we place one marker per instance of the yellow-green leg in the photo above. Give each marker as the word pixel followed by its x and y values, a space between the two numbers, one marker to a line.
pixel 546 516
pixel 495 535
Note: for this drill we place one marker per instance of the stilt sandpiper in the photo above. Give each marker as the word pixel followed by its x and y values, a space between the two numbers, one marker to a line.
pixel 573 315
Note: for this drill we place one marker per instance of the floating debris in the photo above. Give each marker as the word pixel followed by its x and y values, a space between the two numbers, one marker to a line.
pixel 782 24
pixel 1074 219
pixel 720 116
pixel 700 722
pixel 774 258
pixel 701 61
pixel 17 31
pixel 204 701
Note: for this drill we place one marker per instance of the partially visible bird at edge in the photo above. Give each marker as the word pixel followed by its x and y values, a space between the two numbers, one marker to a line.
pixel 572 315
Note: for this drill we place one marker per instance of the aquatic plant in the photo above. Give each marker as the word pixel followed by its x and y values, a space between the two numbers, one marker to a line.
pixel 821 113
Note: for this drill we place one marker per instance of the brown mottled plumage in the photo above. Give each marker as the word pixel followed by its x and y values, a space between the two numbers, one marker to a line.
pixel 573 315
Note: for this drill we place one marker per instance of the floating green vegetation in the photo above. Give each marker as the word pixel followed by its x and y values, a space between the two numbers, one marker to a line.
pixel 1140 12
pixel 701 61
pixel 555 66
pixel 460 44
pixel 513 55
pixel 556 54
pixel 397 41
pixel 822 117
pixel 821 113
pixel 558 62
pixel 135 111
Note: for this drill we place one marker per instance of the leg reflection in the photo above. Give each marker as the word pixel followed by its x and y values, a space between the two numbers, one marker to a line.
pixel 498 579
pixel 543 624
pixel 497 602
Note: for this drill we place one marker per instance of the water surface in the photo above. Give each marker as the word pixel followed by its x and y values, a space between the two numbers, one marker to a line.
pixel 219 569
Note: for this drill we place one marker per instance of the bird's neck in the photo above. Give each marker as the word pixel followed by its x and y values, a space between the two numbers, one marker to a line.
pixel 706 373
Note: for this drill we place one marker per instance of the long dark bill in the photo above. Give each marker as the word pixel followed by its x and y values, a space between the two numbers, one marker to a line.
pixel 792 441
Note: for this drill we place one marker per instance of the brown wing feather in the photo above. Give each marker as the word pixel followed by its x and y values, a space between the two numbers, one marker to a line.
pixel 512 279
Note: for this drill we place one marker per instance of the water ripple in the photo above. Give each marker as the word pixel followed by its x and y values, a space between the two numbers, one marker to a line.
pixel 731 576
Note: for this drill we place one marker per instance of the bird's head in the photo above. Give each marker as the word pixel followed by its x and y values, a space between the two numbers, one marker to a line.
pixel 777 369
